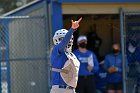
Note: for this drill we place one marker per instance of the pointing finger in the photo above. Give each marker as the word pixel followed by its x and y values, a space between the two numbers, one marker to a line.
pixel 79 20
pixel 72 21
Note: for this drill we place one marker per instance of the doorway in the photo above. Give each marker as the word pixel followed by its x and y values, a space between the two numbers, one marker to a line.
pixel 102 30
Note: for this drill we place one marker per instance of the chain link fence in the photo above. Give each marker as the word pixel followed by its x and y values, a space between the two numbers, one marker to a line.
pixel 132 24
pixel 23 55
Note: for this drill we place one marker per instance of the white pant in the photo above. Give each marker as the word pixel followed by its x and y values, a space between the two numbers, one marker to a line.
pixel 56 89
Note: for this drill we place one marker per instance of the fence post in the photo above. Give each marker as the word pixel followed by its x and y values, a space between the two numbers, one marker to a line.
pixel 0 64
pixel 48 40
pixel 123 48
pixel 7 54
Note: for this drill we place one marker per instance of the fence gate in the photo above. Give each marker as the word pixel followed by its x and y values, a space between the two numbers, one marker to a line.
pixel 132 43
pixel 23 55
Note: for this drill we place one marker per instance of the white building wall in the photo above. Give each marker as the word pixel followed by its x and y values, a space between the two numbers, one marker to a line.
pixel 98 8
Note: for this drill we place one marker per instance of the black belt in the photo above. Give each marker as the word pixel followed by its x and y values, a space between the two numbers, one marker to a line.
pixel 86 76
pixel 66 87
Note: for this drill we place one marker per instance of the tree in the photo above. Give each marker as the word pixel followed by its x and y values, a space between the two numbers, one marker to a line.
pixel 9 5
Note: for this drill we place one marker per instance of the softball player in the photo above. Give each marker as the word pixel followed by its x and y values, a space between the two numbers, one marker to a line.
pixel 65 65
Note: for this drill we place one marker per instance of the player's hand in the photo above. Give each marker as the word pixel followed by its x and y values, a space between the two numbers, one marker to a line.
pixel 90 68
pixel 75 24
pixel 112 69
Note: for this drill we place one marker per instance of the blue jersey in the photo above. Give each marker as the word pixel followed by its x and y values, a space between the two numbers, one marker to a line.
pixel 132 57
pixel 134 63
pixel 101 78
pixel 116 61
pixel 83 58
pixel 58 58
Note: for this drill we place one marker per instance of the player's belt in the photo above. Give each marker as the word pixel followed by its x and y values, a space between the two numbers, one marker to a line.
pixel 59 70
pixel 63 86
pixel 66 87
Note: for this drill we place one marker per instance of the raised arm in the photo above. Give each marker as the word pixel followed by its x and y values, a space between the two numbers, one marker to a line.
pixel 62 45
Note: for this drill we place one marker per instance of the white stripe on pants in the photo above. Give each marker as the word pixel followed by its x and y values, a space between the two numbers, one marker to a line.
pixel 56 89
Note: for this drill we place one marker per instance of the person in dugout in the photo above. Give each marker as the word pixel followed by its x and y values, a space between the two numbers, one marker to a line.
pixel 88 67
pixel 113 65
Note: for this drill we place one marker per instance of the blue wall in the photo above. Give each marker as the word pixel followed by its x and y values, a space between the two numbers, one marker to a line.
pixel 56 14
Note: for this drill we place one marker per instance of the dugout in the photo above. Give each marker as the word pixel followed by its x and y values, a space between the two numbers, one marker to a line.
pixel 102 17
pixel 112 20
pixel 101 30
